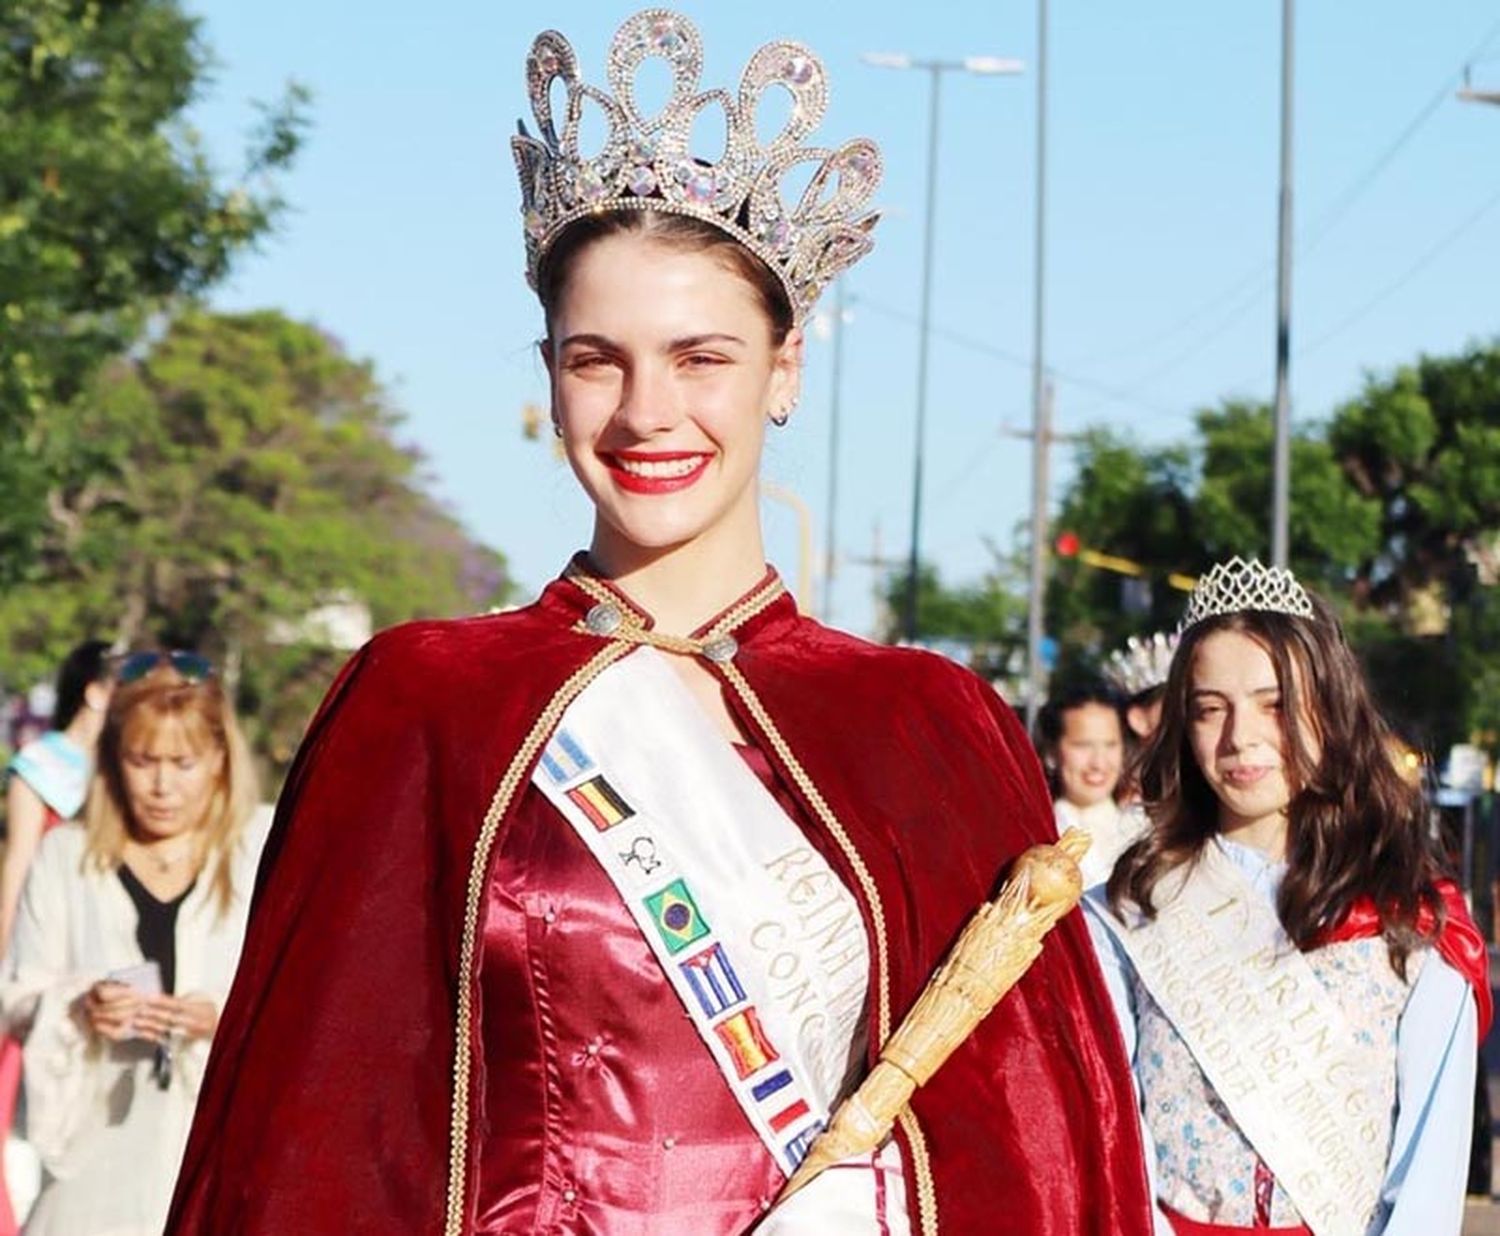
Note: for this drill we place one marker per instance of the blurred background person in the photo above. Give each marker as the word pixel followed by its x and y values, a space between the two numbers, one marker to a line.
pixel 49 776
pixel 1081 736
pixel 47 780
pixel 1138 672
pixel 124 947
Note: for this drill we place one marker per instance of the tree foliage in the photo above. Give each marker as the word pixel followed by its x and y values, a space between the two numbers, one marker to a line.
pixel 1394 501
pixel 109 209
pixel 213 492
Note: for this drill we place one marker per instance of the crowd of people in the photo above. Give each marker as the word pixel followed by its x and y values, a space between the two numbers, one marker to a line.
pixel 589 917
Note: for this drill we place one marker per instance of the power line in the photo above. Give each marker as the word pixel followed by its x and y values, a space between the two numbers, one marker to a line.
pixel 1406 277
pixel 1258 280
pixel 985 348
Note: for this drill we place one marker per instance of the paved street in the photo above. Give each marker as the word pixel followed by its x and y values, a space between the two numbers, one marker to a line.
pixel 1482 1218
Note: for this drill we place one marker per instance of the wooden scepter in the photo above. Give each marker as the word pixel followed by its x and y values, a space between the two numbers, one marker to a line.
pixel 996 948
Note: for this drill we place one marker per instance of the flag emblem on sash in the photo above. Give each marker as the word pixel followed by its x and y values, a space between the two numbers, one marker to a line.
pixel 788 1116
pixel 564 759
pixel 676 916
pixel 763 1090
pixel 746 1043
pixel 713 980
pixel 598 800
pixel 770 1088
pixel 796 1149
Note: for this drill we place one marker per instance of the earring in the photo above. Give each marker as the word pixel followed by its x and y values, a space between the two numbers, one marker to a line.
pixel 783 414
pixel 557 429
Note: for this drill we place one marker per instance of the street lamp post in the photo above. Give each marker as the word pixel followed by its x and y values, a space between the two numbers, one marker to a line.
pixel 1041 400
pixel 830 553
pixel 1479 96
pixel 983 66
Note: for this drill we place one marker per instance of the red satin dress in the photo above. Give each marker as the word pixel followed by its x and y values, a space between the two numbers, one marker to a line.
pixel 603 1111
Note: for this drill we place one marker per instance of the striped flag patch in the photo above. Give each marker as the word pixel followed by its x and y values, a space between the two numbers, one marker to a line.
pixel 745 1040
pixel 676 916
pixel 796 1149
pixel 564 759
pixel 598 800
pixel 713 981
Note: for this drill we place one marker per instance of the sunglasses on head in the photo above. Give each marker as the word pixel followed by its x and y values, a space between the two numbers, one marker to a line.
pixel 191 666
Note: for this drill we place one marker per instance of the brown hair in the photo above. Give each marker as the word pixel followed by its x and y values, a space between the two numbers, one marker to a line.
pixel 1355 827
pixel 142 707
pixel 682 233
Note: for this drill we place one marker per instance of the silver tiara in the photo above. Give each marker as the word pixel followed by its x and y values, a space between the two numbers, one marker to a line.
pixel 1236 586
pixel 646 162
pixel 1142 664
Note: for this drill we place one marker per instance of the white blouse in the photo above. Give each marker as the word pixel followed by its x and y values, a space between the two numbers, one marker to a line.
pixel 109 1137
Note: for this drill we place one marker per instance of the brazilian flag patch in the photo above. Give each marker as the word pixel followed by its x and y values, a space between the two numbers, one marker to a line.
pixel 676 916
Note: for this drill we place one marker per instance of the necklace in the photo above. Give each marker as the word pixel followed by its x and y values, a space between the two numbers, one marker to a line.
pixel 164 864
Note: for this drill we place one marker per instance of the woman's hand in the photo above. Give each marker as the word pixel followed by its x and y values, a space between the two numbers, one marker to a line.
pixel 194 1016
pixel 114 1011
pixel 117 1012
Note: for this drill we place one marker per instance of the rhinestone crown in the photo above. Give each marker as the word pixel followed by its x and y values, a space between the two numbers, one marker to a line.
pixel 646 162
pixel 1235 586
pixel 1142 664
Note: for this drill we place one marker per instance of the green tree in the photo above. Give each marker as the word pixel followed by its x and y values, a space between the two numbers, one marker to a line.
pixel 1180 508
pixel 214 492
pixel 987 619
pixel 109 210
pixel 1422 445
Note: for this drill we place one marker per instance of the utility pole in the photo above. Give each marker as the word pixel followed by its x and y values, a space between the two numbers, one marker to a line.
pixel 1036 602
pixel 879 564
pixel 1281 462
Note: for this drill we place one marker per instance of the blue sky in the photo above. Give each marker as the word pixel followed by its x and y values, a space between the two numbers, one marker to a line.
pixel 404 238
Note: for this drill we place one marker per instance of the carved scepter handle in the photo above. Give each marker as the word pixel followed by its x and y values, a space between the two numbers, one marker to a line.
pixel 995 949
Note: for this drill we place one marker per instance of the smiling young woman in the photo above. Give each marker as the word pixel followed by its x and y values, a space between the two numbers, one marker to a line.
pixel 1081 737
pixel 585 917
pixel 1300 988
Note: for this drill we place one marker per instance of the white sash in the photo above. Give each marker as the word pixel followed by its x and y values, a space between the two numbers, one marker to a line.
pixel 1268 1036
pixel 757 935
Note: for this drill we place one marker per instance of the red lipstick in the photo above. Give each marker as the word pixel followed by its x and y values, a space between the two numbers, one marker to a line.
pixel 660 477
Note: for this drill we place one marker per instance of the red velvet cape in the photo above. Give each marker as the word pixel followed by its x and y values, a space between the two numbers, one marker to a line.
pixel 326 1105
pixel 1458 941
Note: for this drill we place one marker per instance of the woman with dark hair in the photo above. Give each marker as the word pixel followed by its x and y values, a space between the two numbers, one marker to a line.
pixel 1300 986
pixel 643 876
pixel 1081 735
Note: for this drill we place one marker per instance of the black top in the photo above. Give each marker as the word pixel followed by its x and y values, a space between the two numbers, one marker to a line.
pixel 156 926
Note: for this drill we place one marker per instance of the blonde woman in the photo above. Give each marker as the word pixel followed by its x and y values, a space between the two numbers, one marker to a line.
pixel 124 946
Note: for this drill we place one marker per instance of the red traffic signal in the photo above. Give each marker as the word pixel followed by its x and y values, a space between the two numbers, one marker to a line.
pixel 1067 545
